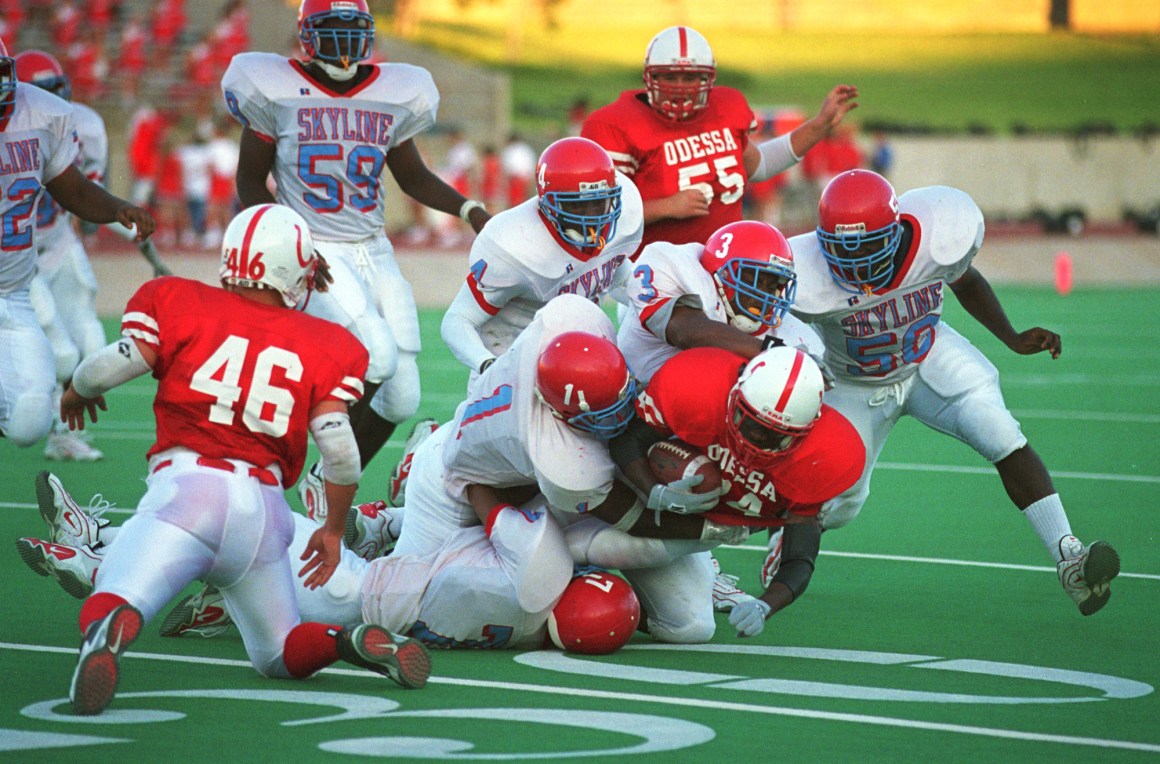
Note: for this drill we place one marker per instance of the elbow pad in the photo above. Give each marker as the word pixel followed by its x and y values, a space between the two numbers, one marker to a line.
pixel 110 366
pixel 335 438
pixel 776 157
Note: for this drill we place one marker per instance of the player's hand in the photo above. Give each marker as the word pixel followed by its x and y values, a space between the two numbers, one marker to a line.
pixel 73 408
pixel 690 203
pixel 749 617
pixel 838 103
pixel 1037 340
pixel 137 218
pixel 322 554
pixel 322 277
pixel 678 496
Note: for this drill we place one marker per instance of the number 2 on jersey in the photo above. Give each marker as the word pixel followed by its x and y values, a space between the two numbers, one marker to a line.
pixel 268 407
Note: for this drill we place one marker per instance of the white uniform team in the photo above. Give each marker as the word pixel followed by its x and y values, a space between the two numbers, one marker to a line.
pixel 892 355
pixel 39 143
pixel 331 153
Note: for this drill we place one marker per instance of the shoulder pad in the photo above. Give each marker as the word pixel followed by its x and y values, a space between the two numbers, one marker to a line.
pixel 951 221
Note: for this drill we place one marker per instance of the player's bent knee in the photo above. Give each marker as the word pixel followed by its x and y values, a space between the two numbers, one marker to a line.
pixel 696 631
pixel 31 419
pixel 398 399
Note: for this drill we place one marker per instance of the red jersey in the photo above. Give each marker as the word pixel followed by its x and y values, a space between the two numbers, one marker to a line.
pixel 237 379
pixel 663 157
pixel 688 397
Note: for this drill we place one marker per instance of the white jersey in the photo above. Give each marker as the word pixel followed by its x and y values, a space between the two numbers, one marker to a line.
pixel 881 338
pixel 517 265
pixel 54 231
pixel 37 144
pixel 504 436
pixel 665 276
pixel 331 147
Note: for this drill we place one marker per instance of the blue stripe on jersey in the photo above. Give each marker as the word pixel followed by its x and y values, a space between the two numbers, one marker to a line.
pixel 499 401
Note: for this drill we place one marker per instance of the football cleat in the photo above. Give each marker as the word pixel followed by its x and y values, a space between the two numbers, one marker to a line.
pixel 397 487
pixel 403 659
pixel 772 562
pixel 71 447
pixel 203 613
pixel 68 522
pixel 95 681
pixel 73 567
pixel 1086 572
pixel 726 595
pixel 312 492
pixel 372 529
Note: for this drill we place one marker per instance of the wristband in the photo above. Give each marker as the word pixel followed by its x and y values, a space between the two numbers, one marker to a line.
pixel 466 209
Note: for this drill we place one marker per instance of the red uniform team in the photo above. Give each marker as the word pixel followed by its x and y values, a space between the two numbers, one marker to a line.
pixel 242 379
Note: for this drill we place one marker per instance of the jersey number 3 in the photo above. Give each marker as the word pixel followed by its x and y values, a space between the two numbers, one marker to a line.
pixel 268 407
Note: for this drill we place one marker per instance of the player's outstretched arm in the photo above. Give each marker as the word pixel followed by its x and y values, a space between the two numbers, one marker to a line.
pixel 801 543
pixel 418 182
pixel 330 428
pixel 89 201
pixel 977 297
pixel 112 365
pixel 255 161
pixel 691 328
pixel 764 160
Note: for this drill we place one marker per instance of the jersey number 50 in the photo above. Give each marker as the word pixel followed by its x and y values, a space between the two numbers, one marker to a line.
pixel 267 409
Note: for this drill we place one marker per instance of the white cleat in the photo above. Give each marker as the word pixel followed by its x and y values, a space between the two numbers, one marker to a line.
pixel 73 567
pixel 203 613
pixel 68 522
pixel 372 529
pixel 312 492
pixel 397 487
pixel 1086 572
pixel 726 595
pixel 71 447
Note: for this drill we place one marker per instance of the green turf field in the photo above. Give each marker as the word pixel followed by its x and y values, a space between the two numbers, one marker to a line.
pixel 934 630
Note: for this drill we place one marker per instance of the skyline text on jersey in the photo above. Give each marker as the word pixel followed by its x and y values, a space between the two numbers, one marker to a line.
pixel 335 123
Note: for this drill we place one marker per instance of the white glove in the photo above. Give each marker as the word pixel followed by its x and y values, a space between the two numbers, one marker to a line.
pixel 749 617
pixel 678 496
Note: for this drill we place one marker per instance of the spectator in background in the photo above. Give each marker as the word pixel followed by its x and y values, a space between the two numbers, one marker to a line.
pixel 577 113
pixel 88 66
pixel 172 215
pixel 99 15
pixel 518 161
pixel 66 25
pixel 461 172
pixel 147 130
pixel 882 155
pixel 131 60
pixel 231 34
pixel 491 179
pixel 168 24
pixel 195 160
pixel 12 17
pixel 223 166
pixel 201 77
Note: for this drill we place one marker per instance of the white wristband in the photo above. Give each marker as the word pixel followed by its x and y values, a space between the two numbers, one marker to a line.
pixel 466 209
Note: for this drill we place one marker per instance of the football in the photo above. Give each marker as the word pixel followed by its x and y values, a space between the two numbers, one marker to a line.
pixel 672 460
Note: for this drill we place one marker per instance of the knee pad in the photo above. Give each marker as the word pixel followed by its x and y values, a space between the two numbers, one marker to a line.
pixel 30 419
pixel 398 398
pixel 695 631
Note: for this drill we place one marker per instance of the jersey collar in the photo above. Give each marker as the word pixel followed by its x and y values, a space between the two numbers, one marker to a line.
pixel 303 70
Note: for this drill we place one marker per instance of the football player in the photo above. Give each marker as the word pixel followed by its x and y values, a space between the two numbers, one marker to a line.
pixel 570 238
pixel 326 127
pixel 458 598
pixel 782 454
pixel 39 145
pixel 685 142
pixel 241 379
pixel 872 280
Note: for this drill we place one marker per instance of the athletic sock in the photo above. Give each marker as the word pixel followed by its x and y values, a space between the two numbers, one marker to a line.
pixel 1050 522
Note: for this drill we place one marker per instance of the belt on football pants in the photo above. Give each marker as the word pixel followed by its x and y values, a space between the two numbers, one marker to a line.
pixel 264 476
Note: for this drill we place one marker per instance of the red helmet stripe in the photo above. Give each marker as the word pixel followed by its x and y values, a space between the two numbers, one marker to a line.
pixel 244 256
pixel 787 392
pixel 684 36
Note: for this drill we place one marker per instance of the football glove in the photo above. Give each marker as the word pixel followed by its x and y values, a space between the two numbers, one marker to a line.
pixel 678 496
pixel 748 617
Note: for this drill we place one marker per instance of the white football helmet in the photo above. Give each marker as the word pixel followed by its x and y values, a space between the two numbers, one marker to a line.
pixel 269 246
pixel 679 50
pixel 776 401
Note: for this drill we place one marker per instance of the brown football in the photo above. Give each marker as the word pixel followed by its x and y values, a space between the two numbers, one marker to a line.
pixel 672 460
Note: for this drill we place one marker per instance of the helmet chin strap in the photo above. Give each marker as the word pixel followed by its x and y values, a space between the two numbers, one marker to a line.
pixel 337 73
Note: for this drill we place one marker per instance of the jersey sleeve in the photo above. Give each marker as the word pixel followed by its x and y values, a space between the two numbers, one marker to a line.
pixel 602 127
pixel 575 479
pixel 65 146
pixel 140 320
pixel 423 103
pixel 828 461
pixel 953 224
pixel 244 97
pixel 655 288
pixel 493 280
pixel 342 378
pixel 94 145
pixel 688 395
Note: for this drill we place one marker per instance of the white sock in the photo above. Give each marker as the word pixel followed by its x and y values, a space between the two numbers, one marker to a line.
pixel 1050 522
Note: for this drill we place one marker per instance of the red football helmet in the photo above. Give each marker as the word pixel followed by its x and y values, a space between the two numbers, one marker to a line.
pixel 679 72
pixel 42 70
pixel 585 382
pixel 579 195
pixel 752 265
pixel 7 78
pixel 339 45
pixel 596 616
pixel 776 401
pixel 858 230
